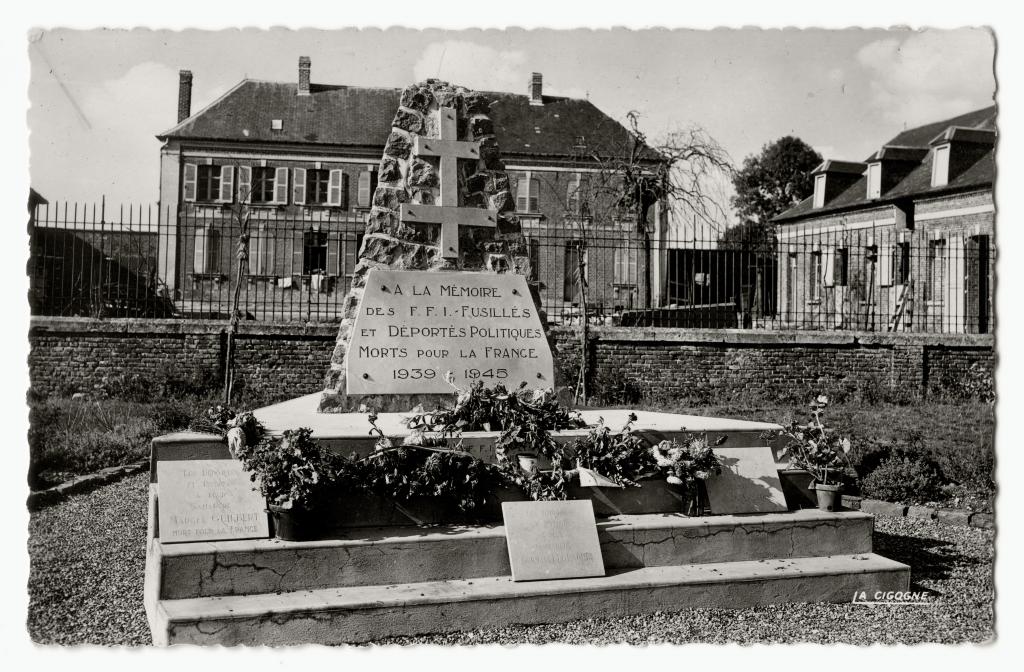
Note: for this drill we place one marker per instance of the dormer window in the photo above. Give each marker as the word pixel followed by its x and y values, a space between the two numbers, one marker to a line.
pixel 832 178
pixel 940 166
pixel 874 180
pixel 956 149
pixel 819 190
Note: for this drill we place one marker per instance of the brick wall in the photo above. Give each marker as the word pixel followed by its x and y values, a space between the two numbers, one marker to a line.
pixel 73 354
pixel 290 359
pixel 696 362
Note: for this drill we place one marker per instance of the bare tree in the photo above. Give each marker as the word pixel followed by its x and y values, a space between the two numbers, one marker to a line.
pixel 623 181
pixel 680 174
pixel 241 215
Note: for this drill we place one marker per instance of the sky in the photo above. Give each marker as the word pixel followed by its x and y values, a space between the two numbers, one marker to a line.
pixel 99 97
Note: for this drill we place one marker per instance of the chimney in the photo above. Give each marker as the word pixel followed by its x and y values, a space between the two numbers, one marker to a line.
pixel 304 65
pixel 536 89
pixel 184 95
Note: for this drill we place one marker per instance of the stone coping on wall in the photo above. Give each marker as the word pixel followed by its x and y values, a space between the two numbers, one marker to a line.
pixel 792 337
pixel 48 324
pixel 141 326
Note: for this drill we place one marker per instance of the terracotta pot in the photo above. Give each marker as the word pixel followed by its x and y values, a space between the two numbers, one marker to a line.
pixel 829 496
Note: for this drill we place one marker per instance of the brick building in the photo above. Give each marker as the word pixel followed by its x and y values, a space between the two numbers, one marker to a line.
pixel 902 241
pixel 304 157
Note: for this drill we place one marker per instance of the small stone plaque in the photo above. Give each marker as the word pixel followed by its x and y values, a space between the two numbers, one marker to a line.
pixel 552 540
pixel 208 500
pixel 412 327
pixel 749 482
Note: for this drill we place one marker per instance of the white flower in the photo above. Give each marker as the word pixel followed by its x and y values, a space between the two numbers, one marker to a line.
pixel 662 454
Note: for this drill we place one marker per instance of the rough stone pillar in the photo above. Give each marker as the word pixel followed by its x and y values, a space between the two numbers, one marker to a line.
pixel 391 244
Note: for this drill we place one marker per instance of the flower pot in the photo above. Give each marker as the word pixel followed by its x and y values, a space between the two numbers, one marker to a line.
pixel 295 524
pixel 829 496
pixel 529 463
pixel 698 504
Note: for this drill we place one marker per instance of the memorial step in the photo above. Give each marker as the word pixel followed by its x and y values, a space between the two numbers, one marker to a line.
pixel 367 613
pixel 349 432
pixel 416 554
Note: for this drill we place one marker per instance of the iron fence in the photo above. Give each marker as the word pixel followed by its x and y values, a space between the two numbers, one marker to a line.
pixel 140 262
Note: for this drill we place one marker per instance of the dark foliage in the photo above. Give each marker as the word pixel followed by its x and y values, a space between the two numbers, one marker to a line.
pixel 774 180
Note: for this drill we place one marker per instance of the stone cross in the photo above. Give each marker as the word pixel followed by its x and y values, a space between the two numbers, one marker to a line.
pixel 448 214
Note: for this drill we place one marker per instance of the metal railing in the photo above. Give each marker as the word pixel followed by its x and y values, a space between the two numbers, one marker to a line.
pixel 138 262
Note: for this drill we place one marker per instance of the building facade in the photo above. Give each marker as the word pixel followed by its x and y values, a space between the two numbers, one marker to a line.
pixel 900 242
pixel 300 161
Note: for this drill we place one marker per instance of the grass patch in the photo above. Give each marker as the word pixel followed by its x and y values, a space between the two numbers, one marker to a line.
pixel 68 438
pixel 922 452
pixel 956 439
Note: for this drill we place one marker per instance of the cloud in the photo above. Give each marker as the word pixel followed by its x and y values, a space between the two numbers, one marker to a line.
pixel 931 74
pixel 826 151
pixel 474 66
pixel 114 151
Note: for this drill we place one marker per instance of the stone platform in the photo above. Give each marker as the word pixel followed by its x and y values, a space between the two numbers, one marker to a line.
pixel 406 581
pixel 370 582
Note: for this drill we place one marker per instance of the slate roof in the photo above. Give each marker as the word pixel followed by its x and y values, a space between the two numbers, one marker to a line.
pixel 360 117
pixel 918 182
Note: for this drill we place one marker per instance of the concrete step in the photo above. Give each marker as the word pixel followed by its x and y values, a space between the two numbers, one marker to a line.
pixel 386 556
pixel 366 613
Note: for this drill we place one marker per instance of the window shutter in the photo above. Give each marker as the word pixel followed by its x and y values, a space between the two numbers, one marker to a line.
pixel 522 192
pixel 940 166
pixel 365 192
pixel 281 185
pixel 298 251
pixel 333 266
pixel 572 196
pixel 344 191
pixel 227 184
pixel 840 266
pixel 201 249
pixel 534 194
pixel 583 195
pixel 244 184
pixel 819 190
pixel 885 264
pixel 299 186
pixel 334 187
pixel 828 257
pixel 534 258
pixel 188 189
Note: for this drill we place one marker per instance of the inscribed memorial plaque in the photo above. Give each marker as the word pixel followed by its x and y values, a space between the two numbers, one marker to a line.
pixel 552 540
pixel 413 327
pixel 207 500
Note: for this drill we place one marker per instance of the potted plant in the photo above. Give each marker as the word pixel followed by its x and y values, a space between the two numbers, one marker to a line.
pixel 819 451
pixel 300 480
pixel 689 465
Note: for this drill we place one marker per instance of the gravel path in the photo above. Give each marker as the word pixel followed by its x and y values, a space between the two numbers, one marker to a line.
pixel 88 558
